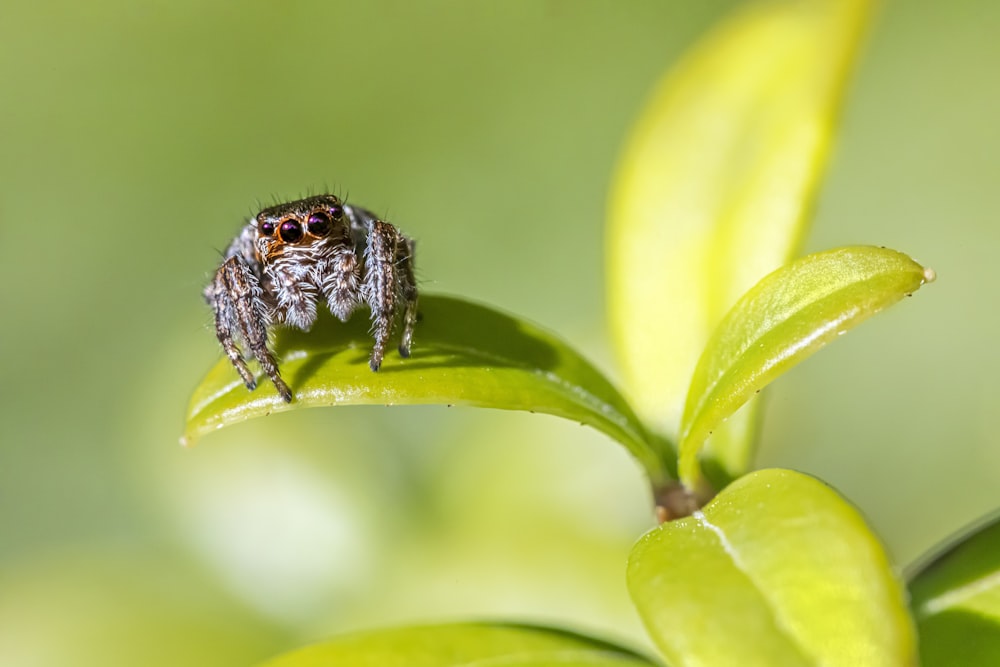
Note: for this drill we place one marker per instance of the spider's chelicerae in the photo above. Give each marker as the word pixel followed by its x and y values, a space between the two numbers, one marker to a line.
pixel 290 257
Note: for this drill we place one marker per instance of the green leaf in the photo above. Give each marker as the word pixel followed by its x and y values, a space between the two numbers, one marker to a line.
pixel 777 570
pixel 561 659
pixel 465 645
pixel 786 317
pixel 714 191
pixel 956 601
pixel 463 354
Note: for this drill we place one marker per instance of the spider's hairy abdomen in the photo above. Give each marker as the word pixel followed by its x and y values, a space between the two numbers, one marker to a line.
pixel 292 256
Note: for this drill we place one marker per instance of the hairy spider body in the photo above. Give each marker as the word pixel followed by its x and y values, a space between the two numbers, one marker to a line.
pixel 290 257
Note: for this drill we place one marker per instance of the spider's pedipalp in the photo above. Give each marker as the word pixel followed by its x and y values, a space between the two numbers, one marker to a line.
pixel 339 280
pixel 295 296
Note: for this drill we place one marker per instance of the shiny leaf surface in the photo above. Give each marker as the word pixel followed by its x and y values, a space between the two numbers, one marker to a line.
pixel 464 645
pixel 714 191
pixel 777 570
pixel 463 354
pixel 787 316
pixel 956 601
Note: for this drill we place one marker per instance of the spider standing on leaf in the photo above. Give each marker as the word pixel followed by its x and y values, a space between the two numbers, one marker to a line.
pixel 289 257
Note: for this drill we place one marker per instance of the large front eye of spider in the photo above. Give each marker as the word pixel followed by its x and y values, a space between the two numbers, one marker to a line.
pixel 290 230
pixel 318 223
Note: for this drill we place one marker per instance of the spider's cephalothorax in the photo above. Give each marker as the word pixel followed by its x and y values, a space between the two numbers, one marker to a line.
pixel 290 257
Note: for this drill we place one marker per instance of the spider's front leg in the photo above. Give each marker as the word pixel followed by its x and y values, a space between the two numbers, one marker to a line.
pixel 240 312
pixel 408 282
pixel 388 278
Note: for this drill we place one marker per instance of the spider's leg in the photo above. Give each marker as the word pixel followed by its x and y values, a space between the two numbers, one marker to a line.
pixel 381 285
pixel 225 325
pixel 408 284
pixel 249 315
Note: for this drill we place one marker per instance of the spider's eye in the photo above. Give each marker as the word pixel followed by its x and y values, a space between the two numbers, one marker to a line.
pixel 337 211
pixel 267 228
pixel 318 224
pixel 290 231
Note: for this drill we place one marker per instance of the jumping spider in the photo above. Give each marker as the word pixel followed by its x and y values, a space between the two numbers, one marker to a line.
pixel 290 256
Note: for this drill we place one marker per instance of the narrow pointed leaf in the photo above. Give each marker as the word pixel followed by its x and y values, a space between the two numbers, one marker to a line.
pixel 714 191
pixel 956 601
pixel 463 354
pixel 786 317
pixel 777 570
pixel 462 645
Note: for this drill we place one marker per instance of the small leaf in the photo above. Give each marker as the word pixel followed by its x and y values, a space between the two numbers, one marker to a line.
pixel 714 191
pixel 463 354
pixel 465 645
pixel 956 601
pixel 786 317
pixel 777 570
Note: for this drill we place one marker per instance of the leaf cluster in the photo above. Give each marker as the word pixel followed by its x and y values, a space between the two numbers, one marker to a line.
pixel 708 305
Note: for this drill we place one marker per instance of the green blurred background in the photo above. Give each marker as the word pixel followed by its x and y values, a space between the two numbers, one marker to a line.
pixel 136 136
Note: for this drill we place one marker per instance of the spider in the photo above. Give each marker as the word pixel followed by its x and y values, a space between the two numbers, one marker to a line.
pixel 289 257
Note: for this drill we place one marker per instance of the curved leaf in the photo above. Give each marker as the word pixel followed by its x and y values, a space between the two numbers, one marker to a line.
pixel 787 316
pixel 956 601
pixel 777 570
pixel 561 659
pixel 465 645
pixel 714 190
pixel 464 354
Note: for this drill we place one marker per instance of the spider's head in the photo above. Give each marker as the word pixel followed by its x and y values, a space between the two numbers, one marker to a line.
pixel 301 222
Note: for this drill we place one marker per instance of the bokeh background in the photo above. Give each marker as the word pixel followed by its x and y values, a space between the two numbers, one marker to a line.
pixel 136 136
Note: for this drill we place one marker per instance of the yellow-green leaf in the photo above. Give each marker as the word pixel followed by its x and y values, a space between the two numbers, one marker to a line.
pixel 956 601
pixel 714 191
pixel 777 570
pixel 463 354
pixel 787 316
pixel 462 645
